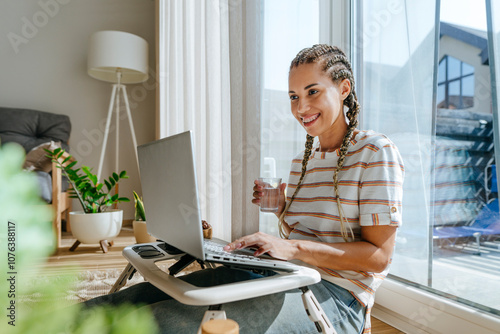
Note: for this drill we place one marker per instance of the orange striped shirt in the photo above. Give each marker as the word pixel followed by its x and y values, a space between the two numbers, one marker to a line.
pixel 370 187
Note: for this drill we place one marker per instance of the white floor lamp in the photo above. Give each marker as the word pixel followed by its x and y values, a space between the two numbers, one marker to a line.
pixel 118 57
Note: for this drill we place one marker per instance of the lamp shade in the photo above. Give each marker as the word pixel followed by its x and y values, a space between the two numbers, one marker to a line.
pixel 113 51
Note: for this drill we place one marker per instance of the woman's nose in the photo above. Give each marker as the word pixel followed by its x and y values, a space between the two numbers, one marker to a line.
pixel 303 107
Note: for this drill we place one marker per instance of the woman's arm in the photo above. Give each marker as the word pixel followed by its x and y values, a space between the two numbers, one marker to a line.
pixel 372 253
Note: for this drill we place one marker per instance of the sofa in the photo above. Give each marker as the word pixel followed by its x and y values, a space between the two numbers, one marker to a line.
pixel 35 131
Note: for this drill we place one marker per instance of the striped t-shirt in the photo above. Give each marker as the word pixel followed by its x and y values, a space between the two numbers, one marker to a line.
pixel 370 190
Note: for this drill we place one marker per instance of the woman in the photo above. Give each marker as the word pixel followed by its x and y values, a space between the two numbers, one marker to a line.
pixel 346 197
pixel 341 217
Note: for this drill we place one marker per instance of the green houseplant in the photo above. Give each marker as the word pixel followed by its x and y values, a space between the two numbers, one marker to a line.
pixel 140 215
pixel 96 223
pixel 139 224
pixel 84 184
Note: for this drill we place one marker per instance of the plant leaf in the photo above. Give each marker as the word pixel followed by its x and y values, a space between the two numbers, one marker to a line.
pixel 71 164
pixel 66 160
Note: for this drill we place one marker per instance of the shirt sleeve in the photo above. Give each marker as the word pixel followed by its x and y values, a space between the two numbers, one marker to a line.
pixel 381 188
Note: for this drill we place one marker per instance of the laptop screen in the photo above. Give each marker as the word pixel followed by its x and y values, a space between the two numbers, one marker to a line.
pixel 170 192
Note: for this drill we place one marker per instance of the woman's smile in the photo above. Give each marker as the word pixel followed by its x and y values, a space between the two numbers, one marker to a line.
pixel 310 119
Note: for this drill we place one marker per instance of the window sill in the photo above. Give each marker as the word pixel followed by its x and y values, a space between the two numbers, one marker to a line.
pixel 415 311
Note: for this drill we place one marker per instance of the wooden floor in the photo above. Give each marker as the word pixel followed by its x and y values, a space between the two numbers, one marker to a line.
pixel 91 257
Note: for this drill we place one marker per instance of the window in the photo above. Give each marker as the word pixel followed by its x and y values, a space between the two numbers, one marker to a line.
pixel 289 26
pixel 425 82
pixel 455 84
pixel 419 102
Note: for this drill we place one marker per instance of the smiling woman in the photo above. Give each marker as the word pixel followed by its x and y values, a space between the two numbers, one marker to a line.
pixel 318 106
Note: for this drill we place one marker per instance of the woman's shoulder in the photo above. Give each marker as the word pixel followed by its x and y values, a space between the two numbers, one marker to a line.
pixel 372 138
pixel 298 157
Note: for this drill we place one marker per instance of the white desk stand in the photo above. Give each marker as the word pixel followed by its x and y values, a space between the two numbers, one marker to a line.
pixel 216 295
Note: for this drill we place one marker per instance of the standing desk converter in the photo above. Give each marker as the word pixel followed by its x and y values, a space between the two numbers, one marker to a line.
pixel 215 296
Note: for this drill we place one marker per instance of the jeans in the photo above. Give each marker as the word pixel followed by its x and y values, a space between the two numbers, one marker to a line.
pixel 281 312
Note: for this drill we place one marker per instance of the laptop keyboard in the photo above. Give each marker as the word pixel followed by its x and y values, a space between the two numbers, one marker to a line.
pixel 217 249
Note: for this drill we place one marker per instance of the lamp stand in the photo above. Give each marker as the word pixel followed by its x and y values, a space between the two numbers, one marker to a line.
pixel 115 102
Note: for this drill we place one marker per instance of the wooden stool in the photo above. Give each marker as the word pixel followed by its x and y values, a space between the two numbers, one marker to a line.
pixel 220 326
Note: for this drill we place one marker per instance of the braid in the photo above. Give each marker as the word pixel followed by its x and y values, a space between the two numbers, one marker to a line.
pixel 352 115
pixel 337 66
pixel 305 160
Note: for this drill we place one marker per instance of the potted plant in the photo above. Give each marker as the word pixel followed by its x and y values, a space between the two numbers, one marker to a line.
pixel 139 224
pixel 97 223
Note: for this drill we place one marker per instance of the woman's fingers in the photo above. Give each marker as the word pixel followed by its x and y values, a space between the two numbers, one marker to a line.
pixel 257 193
pixel 246 241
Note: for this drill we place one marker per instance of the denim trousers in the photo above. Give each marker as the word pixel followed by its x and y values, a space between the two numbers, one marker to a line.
pixel 281 312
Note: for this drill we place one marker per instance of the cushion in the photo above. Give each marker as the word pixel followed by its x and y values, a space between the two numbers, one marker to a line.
pixel 45 186
pixel 31 128
pixel 37 160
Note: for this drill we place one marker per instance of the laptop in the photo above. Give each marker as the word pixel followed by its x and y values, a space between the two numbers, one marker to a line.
pixel 170 195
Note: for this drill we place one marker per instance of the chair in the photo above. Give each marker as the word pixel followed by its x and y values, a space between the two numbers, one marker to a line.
pixel 486 223
pixel 35 130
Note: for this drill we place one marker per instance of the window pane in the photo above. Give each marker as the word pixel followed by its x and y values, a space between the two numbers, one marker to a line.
pixel 287 30
pixel 449 184
pixel 467 69
pixel 454 88
pixel 454 95
pixel 453 68
pixel 468 86
pixel 441 102
pixel 442 70
pixel 400 51
pixel 463 167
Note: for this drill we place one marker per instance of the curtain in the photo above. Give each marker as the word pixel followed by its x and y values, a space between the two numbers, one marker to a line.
pixel 398 52
pixel 209 60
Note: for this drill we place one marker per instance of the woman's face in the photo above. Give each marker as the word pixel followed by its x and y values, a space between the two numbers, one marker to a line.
pixel 316 101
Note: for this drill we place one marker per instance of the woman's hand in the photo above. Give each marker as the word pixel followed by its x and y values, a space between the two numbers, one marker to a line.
pixel 265 243
pixel 258 193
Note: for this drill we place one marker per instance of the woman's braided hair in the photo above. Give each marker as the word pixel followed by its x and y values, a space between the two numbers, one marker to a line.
pixel 337 66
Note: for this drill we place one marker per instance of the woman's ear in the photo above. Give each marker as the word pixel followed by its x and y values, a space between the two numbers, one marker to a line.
pixel 345 88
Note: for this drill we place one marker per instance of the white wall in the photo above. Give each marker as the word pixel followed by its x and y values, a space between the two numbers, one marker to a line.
pixel 43 55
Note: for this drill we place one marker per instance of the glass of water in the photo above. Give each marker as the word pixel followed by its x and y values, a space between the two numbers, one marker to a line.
pixel 270 200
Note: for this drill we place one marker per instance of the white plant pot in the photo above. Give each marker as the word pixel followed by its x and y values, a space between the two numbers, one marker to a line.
pixel 141 232
pixel 91 228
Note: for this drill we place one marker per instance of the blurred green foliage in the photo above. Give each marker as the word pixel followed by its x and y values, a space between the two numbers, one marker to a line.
pixel 37 307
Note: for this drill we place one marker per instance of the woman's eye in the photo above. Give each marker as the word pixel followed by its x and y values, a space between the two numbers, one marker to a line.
pixel 293 97
pixel 312 91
